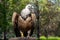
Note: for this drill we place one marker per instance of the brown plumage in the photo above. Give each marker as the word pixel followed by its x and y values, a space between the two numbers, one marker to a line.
pixel 23 25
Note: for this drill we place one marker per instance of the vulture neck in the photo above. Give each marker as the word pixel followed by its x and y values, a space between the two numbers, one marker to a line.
pixel 26 14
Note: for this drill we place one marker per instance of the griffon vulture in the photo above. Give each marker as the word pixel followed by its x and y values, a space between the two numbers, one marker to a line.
pixel 24 22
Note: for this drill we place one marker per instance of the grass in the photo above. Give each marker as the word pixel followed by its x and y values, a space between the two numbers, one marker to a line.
pixel 49 38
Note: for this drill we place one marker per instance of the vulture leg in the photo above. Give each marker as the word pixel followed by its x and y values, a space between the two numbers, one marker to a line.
pixel 15 24
pixel 29 33
pixel 22 35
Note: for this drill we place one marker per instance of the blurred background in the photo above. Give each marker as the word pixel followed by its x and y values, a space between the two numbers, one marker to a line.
pixel 49 11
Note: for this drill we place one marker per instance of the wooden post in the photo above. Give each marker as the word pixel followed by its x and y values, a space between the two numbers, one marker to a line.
pixel 23 38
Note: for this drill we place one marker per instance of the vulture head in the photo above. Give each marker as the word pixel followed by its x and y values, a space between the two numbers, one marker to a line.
pixel 27 11
pixel 31 7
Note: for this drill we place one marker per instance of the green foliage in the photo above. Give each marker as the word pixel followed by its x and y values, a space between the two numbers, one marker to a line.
pixel 49 16
pixel 8 7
